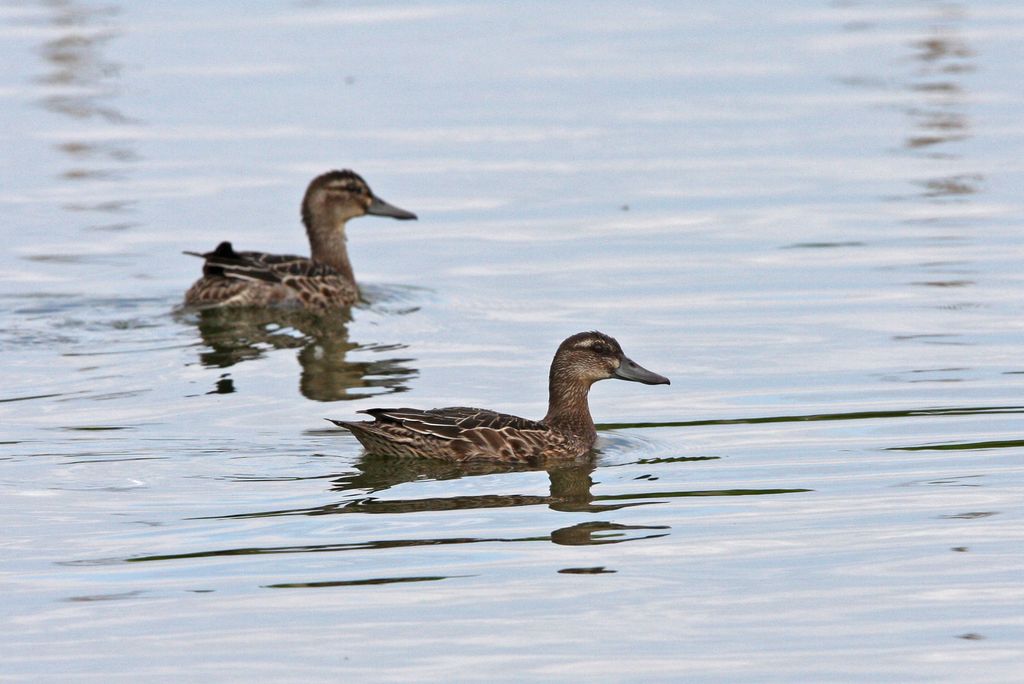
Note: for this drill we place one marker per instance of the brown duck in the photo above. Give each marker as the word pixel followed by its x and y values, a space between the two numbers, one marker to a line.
pixel 468 434
pixel 320 282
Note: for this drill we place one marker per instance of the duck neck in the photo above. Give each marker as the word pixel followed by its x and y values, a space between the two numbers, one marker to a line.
pixel 327 244
pixel 568 409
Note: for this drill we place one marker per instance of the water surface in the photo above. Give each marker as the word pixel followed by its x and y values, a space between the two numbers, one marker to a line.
pixel 808 216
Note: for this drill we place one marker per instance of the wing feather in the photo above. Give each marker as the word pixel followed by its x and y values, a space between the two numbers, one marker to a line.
pixel 291 278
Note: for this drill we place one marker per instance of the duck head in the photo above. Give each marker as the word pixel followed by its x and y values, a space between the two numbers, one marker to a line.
pixel 335 197
pixel 592 356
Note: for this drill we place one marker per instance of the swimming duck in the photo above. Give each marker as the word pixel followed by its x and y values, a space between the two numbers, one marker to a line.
pixel 469 434
pixel 322 282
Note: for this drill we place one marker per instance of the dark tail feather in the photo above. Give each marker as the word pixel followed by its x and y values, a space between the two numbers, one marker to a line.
pixel 224 257
pixel 223 251
pixel 224 254
pixel 225 261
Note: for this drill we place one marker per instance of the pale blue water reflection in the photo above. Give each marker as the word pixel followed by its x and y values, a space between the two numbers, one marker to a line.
pixel 807 215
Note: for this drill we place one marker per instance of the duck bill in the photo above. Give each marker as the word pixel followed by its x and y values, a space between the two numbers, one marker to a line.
pixel 634 372
pixel 379 207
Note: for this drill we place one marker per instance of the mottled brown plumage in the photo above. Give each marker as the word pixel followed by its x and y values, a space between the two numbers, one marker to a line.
pixel 460 433
pixel 321 282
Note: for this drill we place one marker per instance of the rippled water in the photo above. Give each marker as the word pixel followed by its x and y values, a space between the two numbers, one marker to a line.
pixel 808 215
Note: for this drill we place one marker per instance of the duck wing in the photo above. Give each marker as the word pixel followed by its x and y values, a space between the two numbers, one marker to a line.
pixel 261 279
pixel 457 433
pixel 449 422
pixel 272 268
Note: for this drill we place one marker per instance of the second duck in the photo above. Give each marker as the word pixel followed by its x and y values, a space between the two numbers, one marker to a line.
pixel 321 282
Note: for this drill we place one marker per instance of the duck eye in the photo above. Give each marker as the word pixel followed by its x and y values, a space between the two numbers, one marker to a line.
pixel 601 348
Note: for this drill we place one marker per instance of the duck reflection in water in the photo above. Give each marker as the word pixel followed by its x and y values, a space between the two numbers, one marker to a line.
pixel 246 333
pixel 570 491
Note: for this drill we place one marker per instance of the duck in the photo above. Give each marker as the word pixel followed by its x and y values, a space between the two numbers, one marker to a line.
pixel 463 434
pixel 321 282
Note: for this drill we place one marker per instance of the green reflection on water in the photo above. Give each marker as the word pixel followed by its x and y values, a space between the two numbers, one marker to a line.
pixel 584 534
pixel 966 446
pixel 854 415
pixel 570 490
pixel 358 583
